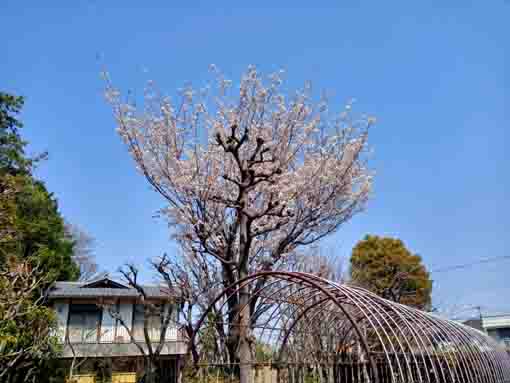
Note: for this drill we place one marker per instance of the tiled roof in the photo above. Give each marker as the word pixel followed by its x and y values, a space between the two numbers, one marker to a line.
pixel 79 290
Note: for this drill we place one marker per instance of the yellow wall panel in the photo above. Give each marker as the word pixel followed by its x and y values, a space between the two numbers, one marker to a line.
pixel 82 378
pixel 124 377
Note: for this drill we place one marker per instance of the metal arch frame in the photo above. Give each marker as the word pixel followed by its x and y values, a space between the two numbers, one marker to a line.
pixel 303 278
pixel 414 344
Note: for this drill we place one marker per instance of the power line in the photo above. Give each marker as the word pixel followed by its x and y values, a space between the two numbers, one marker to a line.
pixel 466 265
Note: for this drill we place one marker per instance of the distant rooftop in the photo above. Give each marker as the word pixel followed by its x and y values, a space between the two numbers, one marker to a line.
pixel 105 287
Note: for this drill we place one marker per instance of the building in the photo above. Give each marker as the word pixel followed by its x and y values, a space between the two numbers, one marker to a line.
pixel 498 327
pixel 103 326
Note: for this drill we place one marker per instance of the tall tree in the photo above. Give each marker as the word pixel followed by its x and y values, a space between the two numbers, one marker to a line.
pixel 248 177
pixel 12 153
pixel 386 267
pixel 39 234
pixel 13 159
pixel 34 251
pixel 34 229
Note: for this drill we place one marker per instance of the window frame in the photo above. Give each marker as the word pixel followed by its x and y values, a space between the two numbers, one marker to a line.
pixel 84 312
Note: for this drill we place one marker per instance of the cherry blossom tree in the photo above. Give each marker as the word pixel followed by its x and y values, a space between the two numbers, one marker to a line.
pixel 249 175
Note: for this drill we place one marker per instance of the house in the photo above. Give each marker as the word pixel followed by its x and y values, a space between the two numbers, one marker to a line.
pixel 103 326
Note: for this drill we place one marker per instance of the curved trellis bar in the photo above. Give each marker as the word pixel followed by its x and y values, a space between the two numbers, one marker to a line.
pixel 338 333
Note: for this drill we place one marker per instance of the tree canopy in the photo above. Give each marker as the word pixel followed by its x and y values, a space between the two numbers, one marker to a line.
pixel 12 153
pixel 386 267
pixel 35 250
pixel 249 175
pixel 33 226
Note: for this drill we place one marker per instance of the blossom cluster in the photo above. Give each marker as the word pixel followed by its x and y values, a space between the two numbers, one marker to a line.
pixel 295 170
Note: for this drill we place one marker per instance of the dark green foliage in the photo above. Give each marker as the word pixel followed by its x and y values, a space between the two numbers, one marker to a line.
pixel 34 229
pixel 40 231
pixel 33 236
pixel 12 155
pixel 386 267
pixel 12 147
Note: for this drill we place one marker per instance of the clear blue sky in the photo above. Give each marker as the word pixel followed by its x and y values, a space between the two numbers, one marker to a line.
pixel 435 73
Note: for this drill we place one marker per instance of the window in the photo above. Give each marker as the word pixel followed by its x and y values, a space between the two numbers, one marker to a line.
pixel 84 323
pixel 504 333
pixel 154 320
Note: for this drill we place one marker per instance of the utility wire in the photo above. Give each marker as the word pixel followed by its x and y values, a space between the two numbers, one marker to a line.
pixel 466 265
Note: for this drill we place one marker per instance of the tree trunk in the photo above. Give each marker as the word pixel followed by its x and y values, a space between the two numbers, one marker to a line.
pixel 150 371
pixel 245 375
pixel 244 333
pixel 233 320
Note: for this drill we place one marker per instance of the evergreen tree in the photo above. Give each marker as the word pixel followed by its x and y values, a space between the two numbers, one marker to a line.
pixel 386 267
pixel 32 227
